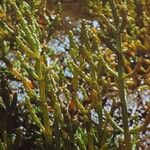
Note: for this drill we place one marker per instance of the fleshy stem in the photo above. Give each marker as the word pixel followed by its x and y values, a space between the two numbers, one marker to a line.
pixel 44 106
pixel 33 51
pixel 121 88
pixel 120 81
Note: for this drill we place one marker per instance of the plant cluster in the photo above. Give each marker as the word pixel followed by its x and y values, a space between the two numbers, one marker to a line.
pixel 77 99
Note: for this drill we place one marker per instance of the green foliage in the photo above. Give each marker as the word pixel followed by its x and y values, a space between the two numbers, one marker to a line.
pixel 70 112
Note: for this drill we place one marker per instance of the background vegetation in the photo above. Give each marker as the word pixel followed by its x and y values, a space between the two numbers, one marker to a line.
pixel 78 82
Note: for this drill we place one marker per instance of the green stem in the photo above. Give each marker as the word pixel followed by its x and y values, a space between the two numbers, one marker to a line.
pixel 113 123
pixel 33 115
pixel 44 107
pixel 120 80
pixel 121 88
pixel 90 139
